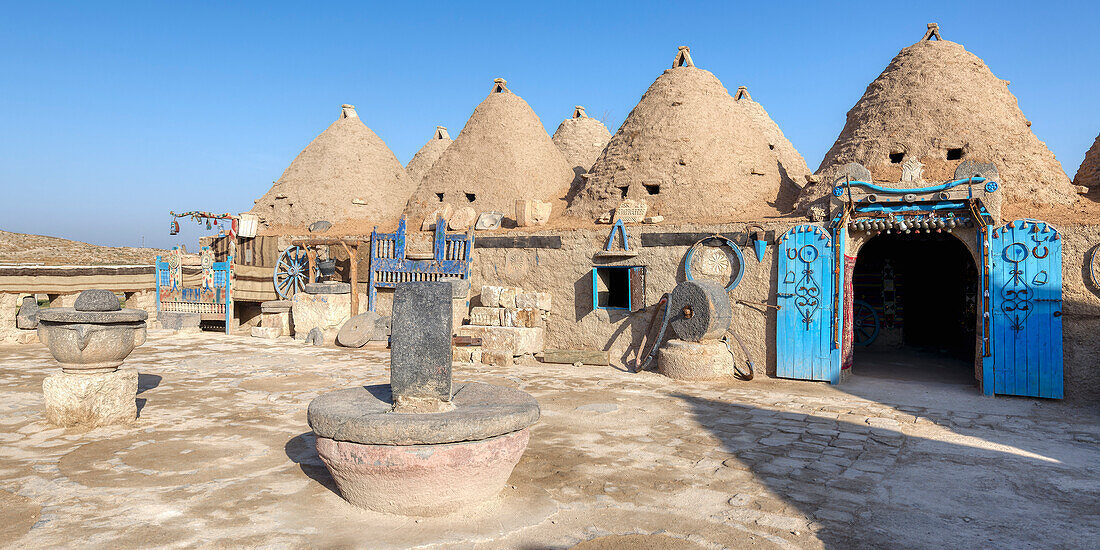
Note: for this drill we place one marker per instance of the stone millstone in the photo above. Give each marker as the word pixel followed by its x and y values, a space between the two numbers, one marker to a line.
pixel 363 415
pixel 358 330
pixel 328 288
pixel 699 309
pixel 420 342
pixel 97 300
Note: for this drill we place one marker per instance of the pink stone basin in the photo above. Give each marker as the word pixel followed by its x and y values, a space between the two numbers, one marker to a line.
pixel 422 480
pixel 422 464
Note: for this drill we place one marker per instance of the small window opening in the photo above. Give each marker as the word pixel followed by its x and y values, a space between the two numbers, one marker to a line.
pixel 622 191
pixel 771 146
pixel 954 154
pixel 652 188
pixel 470 197
pixel 896 158
pixel 440 195
pixel 612 287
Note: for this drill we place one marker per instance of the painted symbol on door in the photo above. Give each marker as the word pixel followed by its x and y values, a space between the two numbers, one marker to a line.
pixel 1017 294
pixel 808 292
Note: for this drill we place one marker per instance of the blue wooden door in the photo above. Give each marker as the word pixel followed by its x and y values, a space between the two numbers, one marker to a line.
pixel 1025 311
pixel 807 338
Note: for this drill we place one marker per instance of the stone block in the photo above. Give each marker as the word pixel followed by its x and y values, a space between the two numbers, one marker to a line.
pixel 487 316
pixel 518 340
pixel 328 287
pixel 279 320
pixel 171 320
pixel 538 300
pixel 315 337
pixel 531 212
pixel 522 317
pixel 26 337
pixel 276 306
pixel 462 219
pixel 488 220
pixel 266 332
pixel 466 354
pixel 706 360
pixel 508 296
pixel 328 312
pixel 27 318
pixel 91 399
pixel 500 358
pixel 420 345
pixel 631 211
pixel 490 296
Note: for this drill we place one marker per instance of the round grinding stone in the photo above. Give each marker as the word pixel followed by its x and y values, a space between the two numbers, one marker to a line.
pixel 363 415
pixel 699 310
pixel 358 330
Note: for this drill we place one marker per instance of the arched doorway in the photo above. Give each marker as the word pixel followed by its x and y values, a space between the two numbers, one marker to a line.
pixel 915 308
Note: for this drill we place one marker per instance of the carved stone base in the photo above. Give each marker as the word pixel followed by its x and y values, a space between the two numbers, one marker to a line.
pixel 90 400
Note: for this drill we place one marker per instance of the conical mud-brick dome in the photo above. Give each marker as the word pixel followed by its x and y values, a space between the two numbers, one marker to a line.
pixel 423 160
pixel 789 157
pixel 1089 172
pixel 346 163
pixel 501 155
pixel 939 104
pixel 581 139
pixel 690 152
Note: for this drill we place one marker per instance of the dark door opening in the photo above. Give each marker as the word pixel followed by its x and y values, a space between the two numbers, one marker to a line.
pixel 921 291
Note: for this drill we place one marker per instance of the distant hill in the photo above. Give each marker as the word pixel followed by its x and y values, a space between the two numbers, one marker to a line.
pixel 20 248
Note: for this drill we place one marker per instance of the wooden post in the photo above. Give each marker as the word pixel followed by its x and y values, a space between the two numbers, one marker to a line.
pixel 312 256
pixel 353 261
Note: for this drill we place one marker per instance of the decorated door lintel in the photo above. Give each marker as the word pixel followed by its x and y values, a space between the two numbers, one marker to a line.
pixel 809 321
pixel 1024 350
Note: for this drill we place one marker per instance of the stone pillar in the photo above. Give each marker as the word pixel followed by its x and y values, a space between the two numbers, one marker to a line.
pixel 420 347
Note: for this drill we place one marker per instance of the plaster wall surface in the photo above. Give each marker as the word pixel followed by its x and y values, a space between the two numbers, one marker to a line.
pixel 575 324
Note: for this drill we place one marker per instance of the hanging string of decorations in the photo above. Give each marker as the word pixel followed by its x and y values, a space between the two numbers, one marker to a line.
pixel 210 219
pixel 927 223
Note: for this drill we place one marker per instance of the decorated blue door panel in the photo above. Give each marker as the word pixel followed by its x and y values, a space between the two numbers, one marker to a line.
pixel 1025 311
pixel 806 323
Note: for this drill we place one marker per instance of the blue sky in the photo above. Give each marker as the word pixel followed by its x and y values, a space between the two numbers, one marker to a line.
pixel 112 114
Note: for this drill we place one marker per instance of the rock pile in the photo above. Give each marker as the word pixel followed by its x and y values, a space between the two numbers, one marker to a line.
pixel 510 322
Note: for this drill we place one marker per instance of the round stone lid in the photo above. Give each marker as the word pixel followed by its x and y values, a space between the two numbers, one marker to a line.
pixel 71 315
pixel 362 415
pixel 97 299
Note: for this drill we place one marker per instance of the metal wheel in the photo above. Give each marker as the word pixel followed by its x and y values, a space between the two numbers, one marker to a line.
pixel 291 272
pixel 865 324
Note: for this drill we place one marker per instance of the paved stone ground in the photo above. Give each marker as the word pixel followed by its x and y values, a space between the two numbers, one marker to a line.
pixel 222 456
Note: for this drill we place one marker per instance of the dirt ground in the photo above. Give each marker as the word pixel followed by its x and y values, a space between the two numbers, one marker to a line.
pixel 222 457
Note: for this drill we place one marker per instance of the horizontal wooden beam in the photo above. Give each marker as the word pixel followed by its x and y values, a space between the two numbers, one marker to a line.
pixel 519 241
pixel 572 356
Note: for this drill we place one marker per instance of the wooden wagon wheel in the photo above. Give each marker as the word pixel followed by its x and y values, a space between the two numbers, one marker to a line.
pixel 865 324
pixel 291 272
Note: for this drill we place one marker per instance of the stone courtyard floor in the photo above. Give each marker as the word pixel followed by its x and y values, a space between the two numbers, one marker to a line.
pixel 221 456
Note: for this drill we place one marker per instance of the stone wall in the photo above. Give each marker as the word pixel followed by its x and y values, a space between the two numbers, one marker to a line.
pixel 10 302
pixel 575 324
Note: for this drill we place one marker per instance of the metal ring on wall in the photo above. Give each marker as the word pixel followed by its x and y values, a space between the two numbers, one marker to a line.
pixel 727 242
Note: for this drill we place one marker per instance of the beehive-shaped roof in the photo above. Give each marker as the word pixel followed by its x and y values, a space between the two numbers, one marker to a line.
pixel 789 157
pixel 581 139
pixel 423 160
pixel 346 163
pixel 941 105
pixel 1089 172
pixel 690 152
pixel 501 155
